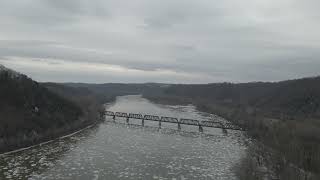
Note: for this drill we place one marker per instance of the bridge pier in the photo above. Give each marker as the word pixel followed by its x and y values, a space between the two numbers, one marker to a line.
pixel 159 124
pixel 127 120
pixel 102 115
pixel 179 126
pixel 142 122
pixel 114 117
pixel 200 128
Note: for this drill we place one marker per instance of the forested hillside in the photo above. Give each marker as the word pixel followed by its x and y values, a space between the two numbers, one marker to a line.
pixel 31 113
pixel 282 115
pixel 293 98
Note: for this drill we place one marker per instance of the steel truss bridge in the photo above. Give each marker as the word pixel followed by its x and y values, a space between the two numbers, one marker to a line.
pixel 179 122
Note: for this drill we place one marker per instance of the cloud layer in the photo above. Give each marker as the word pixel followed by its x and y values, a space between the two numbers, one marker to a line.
pixel 179 41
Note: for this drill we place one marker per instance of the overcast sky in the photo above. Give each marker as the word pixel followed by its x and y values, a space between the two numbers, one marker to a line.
pixel 171 41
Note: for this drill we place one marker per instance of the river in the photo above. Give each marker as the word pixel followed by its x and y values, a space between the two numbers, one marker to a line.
pixel 114 150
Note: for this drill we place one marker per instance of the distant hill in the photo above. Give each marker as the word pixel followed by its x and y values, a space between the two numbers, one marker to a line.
pixel 30 112
pixel 110 90
pixel 282 115
pixel 292 98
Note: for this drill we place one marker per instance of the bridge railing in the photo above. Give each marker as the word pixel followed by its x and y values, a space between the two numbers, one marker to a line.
pixel 194 122
pixel 135 116
pixel 109 113
pixel 210 124
pixel 151 118
pixel 169 119
pixel 231 126
pixel 121 114
pixel 189 122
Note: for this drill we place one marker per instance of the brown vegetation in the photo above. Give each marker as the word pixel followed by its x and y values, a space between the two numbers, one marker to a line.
pixel 30 113
pixel 284 116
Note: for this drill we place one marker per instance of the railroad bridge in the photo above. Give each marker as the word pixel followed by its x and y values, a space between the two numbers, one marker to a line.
pixel 160 119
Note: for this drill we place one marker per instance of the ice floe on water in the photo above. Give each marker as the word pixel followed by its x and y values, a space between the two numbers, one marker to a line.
pixel 118 151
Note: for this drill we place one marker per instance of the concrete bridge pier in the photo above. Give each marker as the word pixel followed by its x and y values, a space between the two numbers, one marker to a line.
pixel 159 124
pixel 102 116
pixel 114 117
pixel 142 122
pixel 179 126
pixel 127 120
pixel 200 128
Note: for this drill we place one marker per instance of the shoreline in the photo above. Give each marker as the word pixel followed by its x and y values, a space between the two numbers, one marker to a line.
pixel 262 159
pixel 46 142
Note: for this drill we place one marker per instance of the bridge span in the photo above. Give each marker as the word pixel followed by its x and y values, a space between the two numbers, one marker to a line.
pixel 192 122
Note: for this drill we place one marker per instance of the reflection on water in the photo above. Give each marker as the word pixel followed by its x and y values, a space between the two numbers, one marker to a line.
pixel 114 150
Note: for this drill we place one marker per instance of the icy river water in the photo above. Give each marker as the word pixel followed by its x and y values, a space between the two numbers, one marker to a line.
pixel 114 150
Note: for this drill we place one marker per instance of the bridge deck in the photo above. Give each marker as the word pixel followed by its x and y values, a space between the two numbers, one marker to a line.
pixel 193 122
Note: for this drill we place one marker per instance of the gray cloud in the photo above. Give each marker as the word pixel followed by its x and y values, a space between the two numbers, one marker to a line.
pixel 168 41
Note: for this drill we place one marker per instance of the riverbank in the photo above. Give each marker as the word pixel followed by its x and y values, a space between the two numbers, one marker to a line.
pixel 32 112
pixel 117 151
pixel 22 141
pixel 46 142
pixel 264 159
